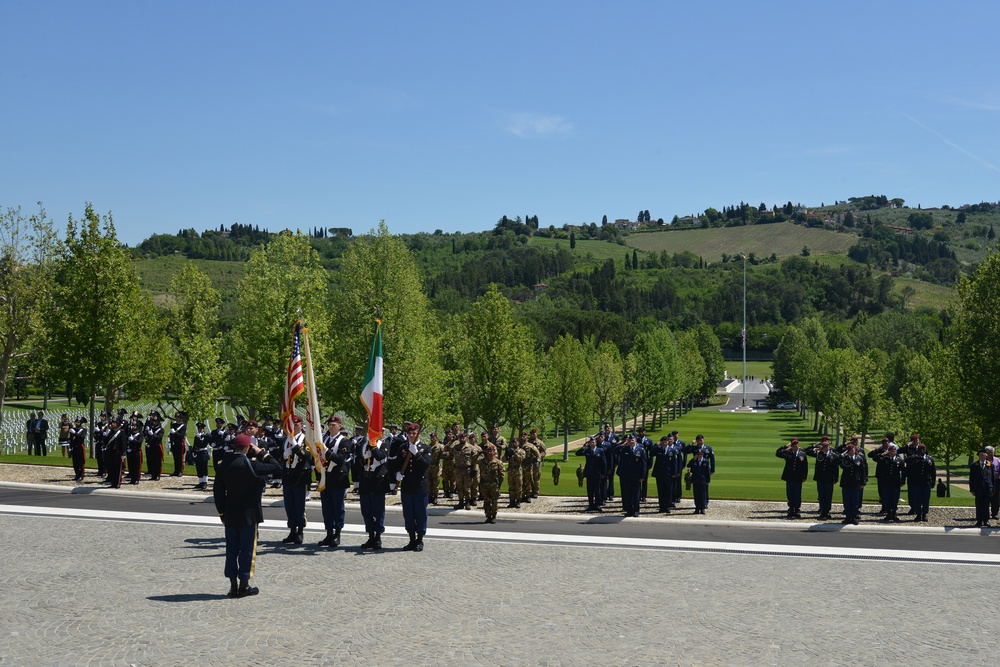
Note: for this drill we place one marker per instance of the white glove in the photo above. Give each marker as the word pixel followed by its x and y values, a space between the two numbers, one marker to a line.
pixel 413 448
pixel 399 477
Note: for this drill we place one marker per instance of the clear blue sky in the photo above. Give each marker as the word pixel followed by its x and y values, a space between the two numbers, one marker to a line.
pixel 447 115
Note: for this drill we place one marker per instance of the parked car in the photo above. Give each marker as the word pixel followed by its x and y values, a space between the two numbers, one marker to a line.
pixel 787 405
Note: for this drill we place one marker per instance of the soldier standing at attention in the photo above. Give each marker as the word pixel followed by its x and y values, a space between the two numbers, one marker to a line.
pixel 218 440
pixel 477 456
pixel 645 444
pixel 153 433
pixel 338 455
pixel 201 455
pixel 514 457
pixel 528 469
pixel 372 488
pixel 794 474
pixel 448 463
pixel 99 429
pixel 631 470
pixel 434 471
pixel 492 477
pixel 540 446
pixel 853 478
pixel 595 469
pixel 462 455
pixel 114 451
pixel 133 448
pixel 825 474
pixel 701 477
pixel 296 475
pixel 78 447
pixel 178 442
pixel 895 474
pixel 411 478
pixel 920 477
pixel 237 499
pixel 556 471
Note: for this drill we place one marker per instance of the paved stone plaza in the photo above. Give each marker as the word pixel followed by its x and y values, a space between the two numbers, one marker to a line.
pixel 97 592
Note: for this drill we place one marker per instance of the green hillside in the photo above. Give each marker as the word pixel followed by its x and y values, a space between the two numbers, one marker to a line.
pixel 783 239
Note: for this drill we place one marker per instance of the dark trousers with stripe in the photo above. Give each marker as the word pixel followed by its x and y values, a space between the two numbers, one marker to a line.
pixel 373 511
pixel 241 548
pixel 294 496
pixel 333 507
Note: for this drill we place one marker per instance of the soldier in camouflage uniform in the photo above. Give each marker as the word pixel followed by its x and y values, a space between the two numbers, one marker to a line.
pixel 477 457
pixel 498 440
pixel 434 471
pixel 528 468
pixel 556 471
pixel 514 456
pixel 462 460
pixel 540 446
pixel 448 463
pixel 492 478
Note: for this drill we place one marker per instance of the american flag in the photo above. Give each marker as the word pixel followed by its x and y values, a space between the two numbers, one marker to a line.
pixel 743 339
pixel 294 385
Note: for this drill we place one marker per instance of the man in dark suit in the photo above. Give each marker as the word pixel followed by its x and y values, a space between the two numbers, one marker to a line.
pixel 238 484
pixel 981 486
pixel 41 433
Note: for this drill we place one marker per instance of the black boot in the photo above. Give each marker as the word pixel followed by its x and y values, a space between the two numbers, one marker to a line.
pixel 291 537
pixel 371 541
pixel 298 535
pixel 335 542
pixel 377 544
pixel 419 546
pixel 328 540
pixel 232 588
pixel 461 505
pixel 466 506
pixel 412 543
pixel 246 589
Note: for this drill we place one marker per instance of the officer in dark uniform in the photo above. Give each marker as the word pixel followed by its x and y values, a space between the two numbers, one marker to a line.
pixel 99 431
pixel 826 474
pixel 612 446
pixel 853 478
pixel 701 476
pixel 296 476
pixel 677 484
pixel 78 447
pixel 359 441
pixel 200 451
pixel 237 499
pixel 920 477
pixel 153 434
pixel 411 477
pixel 643 442
pixel 338 454
pixel 881 473
pixel 707 453
pixel 981 485
pixel 372 488
pixel 631 470
pixel 794 474
pixel 895 478
pixel 114 451
pixel 133 448
pixel 178 438
pixel 666 466
pixel 218 441
pixel 594 470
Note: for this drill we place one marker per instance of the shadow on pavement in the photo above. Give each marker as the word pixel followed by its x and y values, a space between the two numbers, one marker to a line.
pixel 188 597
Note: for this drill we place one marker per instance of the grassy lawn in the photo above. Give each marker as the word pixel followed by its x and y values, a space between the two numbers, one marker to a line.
pixel 783 238
pixel 758 369
pixel 598 251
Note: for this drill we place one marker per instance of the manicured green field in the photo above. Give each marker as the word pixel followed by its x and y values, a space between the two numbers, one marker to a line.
pixel 758 369
pixel 782 238
pixel 599 250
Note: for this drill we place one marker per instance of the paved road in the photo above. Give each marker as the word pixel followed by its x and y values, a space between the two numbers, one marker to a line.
pixel 108 592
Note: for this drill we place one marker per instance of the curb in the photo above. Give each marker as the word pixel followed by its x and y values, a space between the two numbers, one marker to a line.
pixel 595 519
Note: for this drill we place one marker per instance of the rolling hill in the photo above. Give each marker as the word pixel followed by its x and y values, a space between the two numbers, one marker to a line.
pixel 783 239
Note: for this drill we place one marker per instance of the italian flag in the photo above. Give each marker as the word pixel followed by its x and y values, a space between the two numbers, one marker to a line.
pixel 371 394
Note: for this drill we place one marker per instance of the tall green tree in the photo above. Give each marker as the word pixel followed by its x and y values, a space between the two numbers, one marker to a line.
pixel 94 320
pixel 607 375
pixel 196 345
pixel 711 352
pixel 498 353
pixel 379 278
pixel 284 281
pixel 569 391
pixel 977 344
pixel 28 247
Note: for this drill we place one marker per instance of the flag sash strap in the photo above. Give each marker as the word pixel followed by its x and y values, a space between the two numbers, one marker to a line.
pixel 371 393
pixel 313 430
